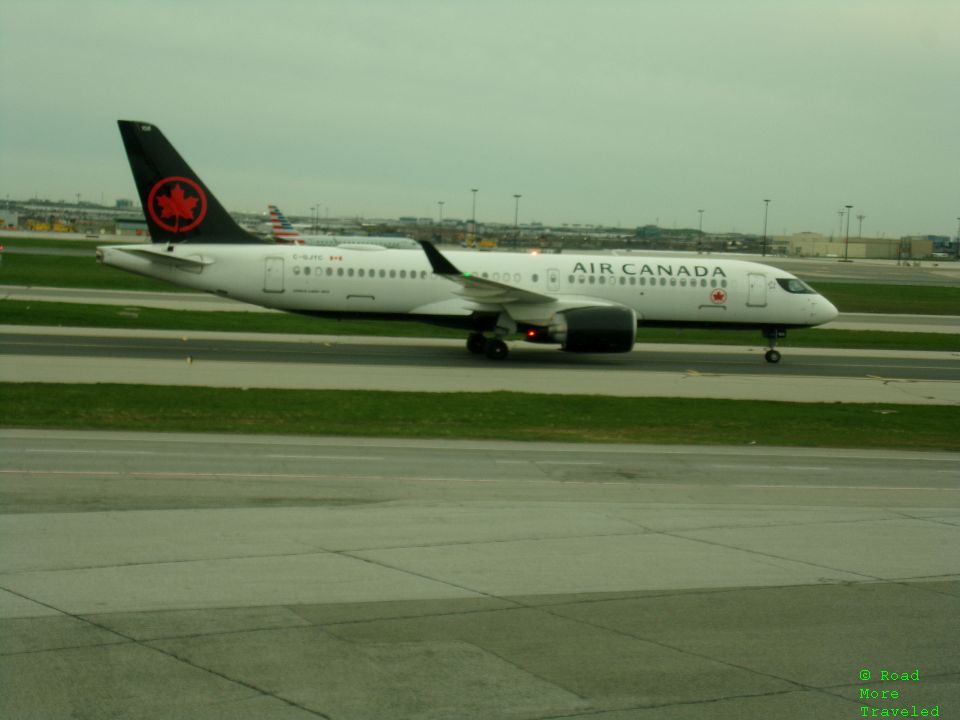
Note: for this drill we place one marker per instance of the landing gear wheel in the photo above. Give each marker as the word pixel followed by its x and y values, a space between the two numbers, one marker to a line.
pixel 476 343
pixel 772 335
pixel 496 349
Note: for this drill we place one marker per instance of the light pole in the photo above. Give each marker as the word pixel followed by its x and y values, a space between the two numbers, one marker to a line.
pixel 956 249
pixel 516 211
pixel 473 217
pixel 860 227
pixel 700 226
pixel 440 204
pixel 766 207
pixel 846 242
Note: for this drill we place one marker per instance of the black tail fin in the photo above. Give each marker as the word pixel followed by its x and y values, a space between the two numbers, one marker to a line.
pixel 177 205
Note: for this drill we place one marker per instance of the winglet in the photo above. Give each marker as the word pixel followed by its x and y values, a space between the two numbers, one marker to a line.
pixel 440 265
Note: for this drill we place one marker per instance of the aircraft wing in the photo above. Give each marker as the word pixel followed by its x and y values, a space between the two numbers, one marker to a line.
pixel 478 289
pixel 522 305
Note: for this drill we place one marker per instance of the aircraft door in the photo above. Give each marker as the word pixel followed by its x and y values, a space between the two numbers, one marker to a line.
pixel 273 275
pixel 756 290
pixel 553 280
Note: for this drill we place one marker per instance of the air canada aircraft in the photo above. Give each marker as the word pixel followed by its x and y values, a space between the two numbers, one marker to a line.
pixel 583 303
pixel 283 231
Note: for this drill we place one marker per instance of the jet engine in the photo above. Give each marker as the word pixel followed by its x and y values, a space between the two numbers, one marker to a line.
pixel 590 330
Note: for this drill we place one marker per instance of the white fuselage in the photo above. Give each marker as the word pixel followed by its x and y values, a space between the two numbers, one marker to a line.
pixel 664 290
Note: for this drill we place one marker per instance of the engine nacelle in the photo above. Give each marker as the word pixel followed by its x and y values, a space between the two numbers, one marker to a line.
pixel 591 330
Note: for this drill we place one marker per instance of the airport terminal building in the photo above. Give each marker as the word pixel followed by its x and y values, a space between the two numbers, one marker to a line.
pixel 815 245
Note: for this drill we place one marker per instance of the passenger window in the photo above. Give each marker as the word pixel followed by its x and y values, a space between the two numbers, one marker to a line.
pixel 306 271
pixel 340 272
pixel 350 272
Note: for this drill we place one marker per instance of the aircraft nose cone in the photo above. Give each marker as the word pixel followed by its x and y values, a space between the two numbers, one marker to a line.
pixel 825 311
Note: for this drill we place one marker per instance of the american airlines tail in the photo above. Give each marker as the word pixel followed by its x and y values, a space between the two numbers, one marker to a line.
pixel 281 230
pixel 177 205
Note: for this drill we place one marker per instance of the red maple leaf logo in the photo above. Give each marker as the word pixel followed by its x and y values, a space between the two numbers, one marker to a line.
pixel 168 210
pixel 718 296
pixel 177 204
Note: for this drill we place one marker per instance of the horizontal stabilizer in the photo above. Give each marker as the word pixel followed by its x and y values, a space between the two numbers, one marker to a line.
pixel 167 258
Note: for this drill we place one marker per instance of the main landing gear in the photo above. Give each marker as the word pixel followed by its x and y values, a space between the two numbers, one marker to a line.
pixel 494 348
pixel 772 335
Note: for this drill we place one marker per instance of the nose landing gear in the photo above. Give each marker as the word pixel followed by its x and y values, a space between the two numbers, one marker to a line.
pixel 772 335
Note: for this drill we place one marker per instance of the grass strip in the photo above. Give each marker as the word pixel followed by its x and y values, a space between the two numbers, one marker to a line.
pixel 25 312
pixel 497 415
pixel 894 299
pixel 74 272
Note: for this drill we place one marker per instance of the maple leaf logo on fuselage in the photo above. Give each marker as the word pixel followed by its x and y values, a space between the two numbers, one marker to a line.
pixel 177 205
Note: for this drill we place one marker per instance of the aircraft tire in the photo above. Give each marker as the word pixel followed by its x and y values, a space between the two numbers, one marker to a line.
pixel 772 356
pixel 476 343
pixel 496 349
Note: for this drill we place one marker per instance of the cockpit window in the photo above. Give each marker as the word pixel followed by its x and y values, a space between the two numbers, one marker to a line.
pixel 793 285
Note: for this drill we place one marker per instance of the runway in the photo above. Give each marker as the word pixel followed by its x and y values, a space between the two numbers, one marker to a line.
pixel 404 364
pixel 182 576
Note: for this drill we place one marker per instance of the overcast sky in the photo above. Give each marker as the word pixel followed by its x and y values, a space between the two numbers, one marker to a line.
pixel 621 112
